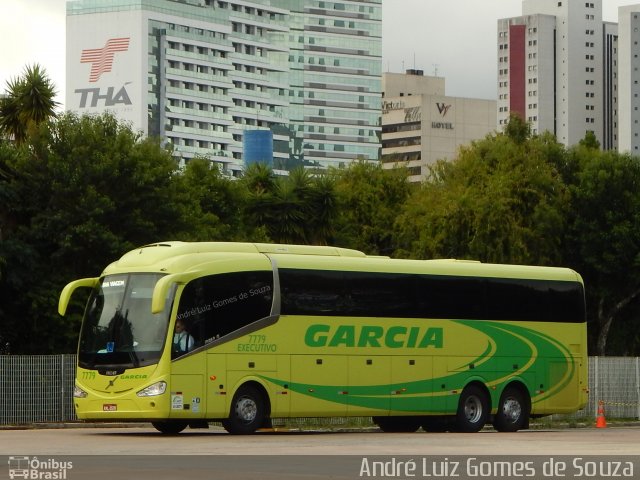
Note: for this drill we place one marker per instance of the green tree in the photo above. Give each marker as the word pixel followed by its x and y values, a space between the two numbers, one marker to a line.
pixel 310 203
pixel 322 210
pixel 212 204
pixel 368 201
pixel 84 191
pixel 590 141
pixel 7 153
pixel 603 238
pixel 501 200
pixel 517 129
pixel 29 102
pixel 259 183
pixel 299 208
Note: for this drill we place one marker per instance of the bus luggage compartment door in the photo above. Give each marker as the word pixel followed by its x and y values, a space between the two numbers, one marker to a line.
pixel 187 399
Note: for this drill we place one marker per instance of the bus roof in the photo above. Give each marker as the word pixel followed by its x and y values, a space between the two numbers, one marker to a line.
pixel 166 256
pixel 182 248
pixel 180 257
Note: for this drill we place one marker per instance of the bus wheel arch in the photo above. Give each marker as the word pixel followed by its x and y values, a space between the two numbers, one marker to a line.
pixel 474 406
pixel 514 408
pixel 249 410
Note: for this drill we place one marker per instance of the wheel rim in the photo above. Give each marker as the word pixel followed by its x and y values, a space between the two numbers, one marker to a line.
pixel 511 409
pixel 473 409
pixel 247 409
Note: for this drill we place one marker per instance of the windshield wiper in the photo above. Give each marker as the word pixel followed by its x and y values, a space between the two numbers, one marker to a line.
pixel 134 358
pixel 132 353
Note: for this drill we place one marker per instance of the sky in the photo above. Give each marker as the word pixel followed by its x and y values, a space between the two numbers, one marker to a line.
pixel 454 39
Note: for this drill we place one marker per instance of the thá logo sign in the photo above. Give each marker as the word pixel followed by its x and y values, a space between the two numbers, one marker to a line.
pixel 101 59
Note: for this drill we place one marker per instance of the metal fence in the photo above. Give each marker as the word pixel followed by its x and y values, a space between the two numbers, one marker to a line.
pixel 616 382
pixel 39 389
pixel 36 388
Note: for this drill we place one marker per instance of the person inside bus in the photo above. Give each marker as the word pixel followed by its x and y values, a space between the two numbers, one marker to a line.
pixel 182 340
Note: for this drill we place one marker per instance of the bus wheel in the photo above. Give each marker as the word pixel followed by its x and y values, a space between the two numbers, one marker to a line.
pixel 247 411
pixel 169 428
pixel 473 410
pixel 397 424
pixel 512 412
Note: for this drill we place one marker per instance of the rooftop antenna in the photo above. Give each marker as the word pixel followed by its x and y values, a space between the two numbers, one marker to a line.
pixel 435 69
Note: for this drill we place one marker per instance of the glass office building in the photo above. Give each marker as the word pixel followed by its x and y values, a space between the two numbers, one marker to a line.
pixel 199 73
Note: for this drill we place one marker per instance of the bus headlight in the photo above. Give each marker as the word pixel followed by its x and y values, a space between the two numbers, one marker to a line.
pixel 78 392
pixel 157 388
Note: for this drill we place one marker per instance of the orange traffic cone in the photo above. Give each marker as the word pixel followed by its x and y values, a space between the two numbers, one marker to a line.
pixel 601 422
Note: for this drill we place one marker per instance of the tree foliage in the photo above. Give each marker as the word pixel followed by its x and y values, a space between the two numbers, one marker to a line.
pixel 369 199
pixel 603 239
pixel 79 191
pixel 298 209
pixel 501 200
pixel 85 189
pixel 28 102
pixel 211 205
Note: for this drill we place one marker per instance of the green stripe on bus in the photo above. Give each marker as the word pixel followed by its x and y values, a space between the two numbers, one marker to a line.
pixel 427 395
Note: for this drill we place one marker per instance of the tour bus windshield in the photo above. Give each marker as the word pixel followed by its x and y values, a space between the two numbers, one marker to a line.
pixel 119 330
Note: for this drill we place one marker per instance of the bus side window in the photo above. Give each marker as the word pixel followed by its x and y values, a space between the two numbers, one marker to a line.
pixel 217 305
pixel 312 292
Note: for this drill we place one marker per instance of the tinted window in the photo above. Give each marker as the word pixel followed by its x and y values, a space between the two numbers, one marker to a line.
pixel 214 306
pixel 536 300
pixel 371 294
pixel 379 294
pixel 451 297
pixel 312 292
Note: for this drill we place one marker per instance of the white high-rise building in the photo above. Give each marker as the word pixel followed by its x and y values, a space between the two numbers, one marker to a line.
pixel 550 68
pixel 199 74
pixel 629 79
pixel 610 96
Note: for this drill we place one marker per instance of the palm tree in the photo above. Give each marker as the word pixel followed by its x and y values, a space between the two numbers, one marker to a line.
pixel 324 210
pixel 29 101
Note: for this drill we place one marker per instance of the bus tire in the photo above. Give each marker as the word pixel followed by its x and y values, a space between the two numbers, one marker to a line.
pixel 247 411
pixel 397 424
pixel 169 427
pixel 473 410
pixel 513 411
pixel 437 424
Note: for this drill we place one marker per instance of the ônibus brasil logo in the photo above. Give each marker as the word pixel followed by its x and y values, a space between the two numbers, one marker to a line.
pixel 101 60
pixel 34 468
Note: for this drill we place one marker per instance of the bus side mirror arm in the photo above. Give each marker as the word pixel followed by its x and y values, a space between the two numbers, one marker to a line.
pixel 68 290
pixel 162 287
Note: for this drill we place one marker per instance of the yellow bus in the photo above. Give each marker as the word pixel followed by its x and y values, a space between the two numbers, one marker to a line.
pixel 278 331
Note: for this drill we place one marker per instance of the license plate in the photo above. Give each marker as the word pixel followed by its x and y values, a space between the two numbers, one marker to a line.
pixel 109 407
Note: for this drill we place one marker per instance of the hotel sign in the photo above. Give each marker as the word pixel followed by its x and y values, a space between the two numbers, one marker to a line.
pixel 443 109
pixel 388 106
pixel 413 114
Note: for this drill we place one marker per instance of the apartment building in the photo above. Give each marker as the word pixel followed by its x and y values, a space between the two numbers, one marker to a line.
pixel 199 73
